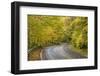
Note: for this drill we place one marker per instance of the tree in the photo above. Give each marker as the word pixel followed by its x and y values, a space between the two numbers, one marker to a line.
pixel 51 30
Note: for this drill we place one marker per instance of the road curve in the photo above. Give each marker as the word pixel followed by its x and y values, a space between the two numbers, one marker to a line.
pixel 59 52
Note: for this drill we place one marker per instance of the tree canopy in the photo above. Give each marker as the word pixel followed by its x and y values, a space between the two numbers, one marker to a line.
pixel 51 30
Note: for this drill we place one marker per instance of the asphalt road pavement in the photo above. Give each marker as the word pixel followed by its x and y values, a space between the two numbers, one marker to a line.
pixel 59 52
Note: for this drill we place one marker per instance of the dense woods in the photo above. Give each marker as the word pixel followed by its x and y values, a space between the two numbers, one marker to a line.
pixel 52 30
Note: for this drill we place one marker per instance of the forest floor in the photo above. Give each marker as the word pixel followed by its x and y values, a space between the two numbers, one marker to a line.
pixel 34 55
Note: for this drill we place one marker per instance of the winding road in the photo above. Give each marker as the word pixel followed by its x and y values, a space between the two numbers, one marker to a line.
pixel 59 52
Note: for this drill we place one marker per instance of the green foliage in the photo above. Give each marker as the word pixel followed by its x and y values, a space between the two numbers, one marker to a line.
pixel 44 30
pixel 50 30
pixel 79 32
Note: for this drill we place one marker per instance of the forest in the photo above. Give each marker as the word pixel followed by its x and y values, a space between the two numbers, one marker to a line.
pixel 46 30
